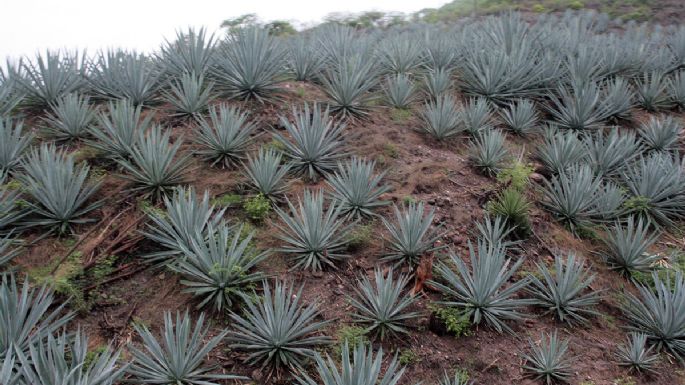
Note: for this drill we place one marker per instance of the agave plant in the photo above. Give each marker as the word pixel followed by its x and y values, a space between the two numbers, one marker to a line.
pixel 217 267
pixel 442 118
pixel 676 89
pixel 190 95
pixel 8 376
pixel 250 65
pixel 179 358
pixel 658 313
pixel 561 150
pixel 59 189
pixel 399 54
pixel 154 167
pixel 488 151
pixel 277 329
pixel 71 118
pixel 10 94
pixel 619 98
pixel 520 117
pixel 477 116
pixel 348 84
pixel 482 291
pixel 65 360
pixel 383 306
pixel 185 216
pixel 192 52
pixel 10 211
pixel 118 74
pixel 304 61
pixel 636 355
pixel 660 134
pixel 362 369
pixel 656 189
pixel 119 129
pixel 267 174
pixel 357 188
pixel 26 316
pixel 7 253
pixel 609 154
pixel 609 203
pixel 411 235
pixel 438 83
pixel 628 246
pixel 571 196
pixel 226 137
pixel 316 141
pixel 399 90
pixel 13 144
pixel 495 231
pixel 579 107
pixel 549 359
pixel 314 237
pixel 563 290
pixel 51 77
pixel 652 91
pixel 459 379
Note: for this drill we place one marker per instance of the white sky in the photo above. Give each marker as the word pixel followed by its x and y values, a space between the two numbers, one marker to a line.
pixel 27 26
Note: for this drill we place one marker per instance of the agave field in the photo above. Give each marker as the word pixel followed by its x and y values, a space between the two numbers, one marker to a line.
pixel 499 200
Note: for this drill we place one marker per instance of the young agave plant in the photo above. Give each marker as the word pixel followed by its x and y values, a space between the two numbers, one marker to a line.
pixel 628 246
pixel 660 134
pixel 549 359
pixel 348 85
pixel 520 117
pixel 316 142
pixel 382 306
pixel 64 359
pixel 458 379
pixel 357 188
pixel 59 189
pixel 71 118
pixel 119 128
pixel 656 186
pixel 277 330
pixel 26 316
pixel 192 52
pixel 495 231
pixel 488 151
pixel 563 290
pixel 579 107
pixel 442 118
pixel 217 267
pixel 362 369
pixel 609 154
pixel 512 206
pixel 411 235
pixel 476 116
pixel 676 89
pixel 51 77
pixel 571 196
pixel 652 91
pixel 250 65
pixel 225 138
pixel 154 168
pixel 438 83
pixel 399 90
pixel 304 61
pixel 190 95
pixel 659 313
pixel 561 150
pixel 481 291
pixel 13 145
pixel 126 75
pixel 314 237
pixel 636 355
pixel 619 98
pixel 179 358
pixel 267 174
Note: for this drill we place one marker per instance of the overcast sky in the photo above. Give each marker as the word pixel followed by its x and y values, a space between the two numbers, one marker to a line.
pixel 30 25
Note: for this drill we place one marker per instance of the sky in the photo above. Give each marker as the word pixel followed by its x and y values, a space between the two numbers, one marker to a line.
pixel 27 26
